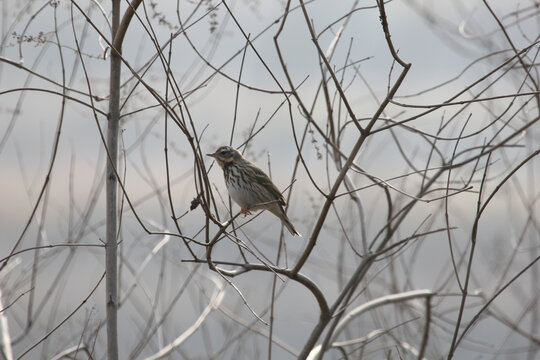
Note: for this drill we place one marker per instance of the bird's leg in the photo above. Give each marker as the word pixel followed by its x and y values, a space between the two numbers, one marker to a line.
pixel 245 211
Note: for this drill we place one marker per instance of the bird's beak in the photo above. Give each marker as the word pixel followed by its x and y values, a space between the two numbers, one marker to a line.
pixel 211 155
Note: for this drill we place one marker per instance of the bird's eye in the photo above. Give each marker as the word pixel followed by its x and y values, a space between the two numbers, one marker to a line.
pixel 222 152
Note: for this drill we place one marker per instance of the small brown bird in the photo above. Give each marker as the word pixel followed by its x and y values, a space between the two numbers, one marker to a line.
pixel 250 187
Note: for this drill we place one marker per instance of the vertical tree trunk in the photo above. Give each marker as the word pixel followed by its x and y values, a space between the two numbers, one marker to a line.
pixel 111 286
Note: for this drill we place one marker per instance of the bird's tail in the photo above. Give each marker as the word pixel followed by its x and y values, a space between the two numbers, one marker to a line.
pixel 280 213
pixel 290 226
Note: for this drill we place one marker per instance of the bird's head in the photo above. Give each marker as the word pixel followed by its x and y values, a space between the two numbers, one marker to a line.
pixel 225 155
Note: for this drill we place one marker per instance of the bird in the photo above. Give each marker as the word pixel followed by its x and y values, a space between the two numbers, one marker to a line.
pixel 250 187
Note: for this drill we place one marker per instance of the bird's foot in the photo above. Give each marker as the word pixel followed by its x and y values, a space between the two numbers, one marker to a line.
pixel 245 211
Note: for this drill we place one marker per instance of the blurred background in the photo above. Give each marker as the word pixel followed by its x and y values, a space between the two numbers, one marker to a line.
pixel 444 188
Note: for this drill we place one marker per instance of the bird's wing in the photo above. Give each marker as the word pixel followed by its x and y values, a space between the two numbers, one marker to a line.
pixel 267 186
